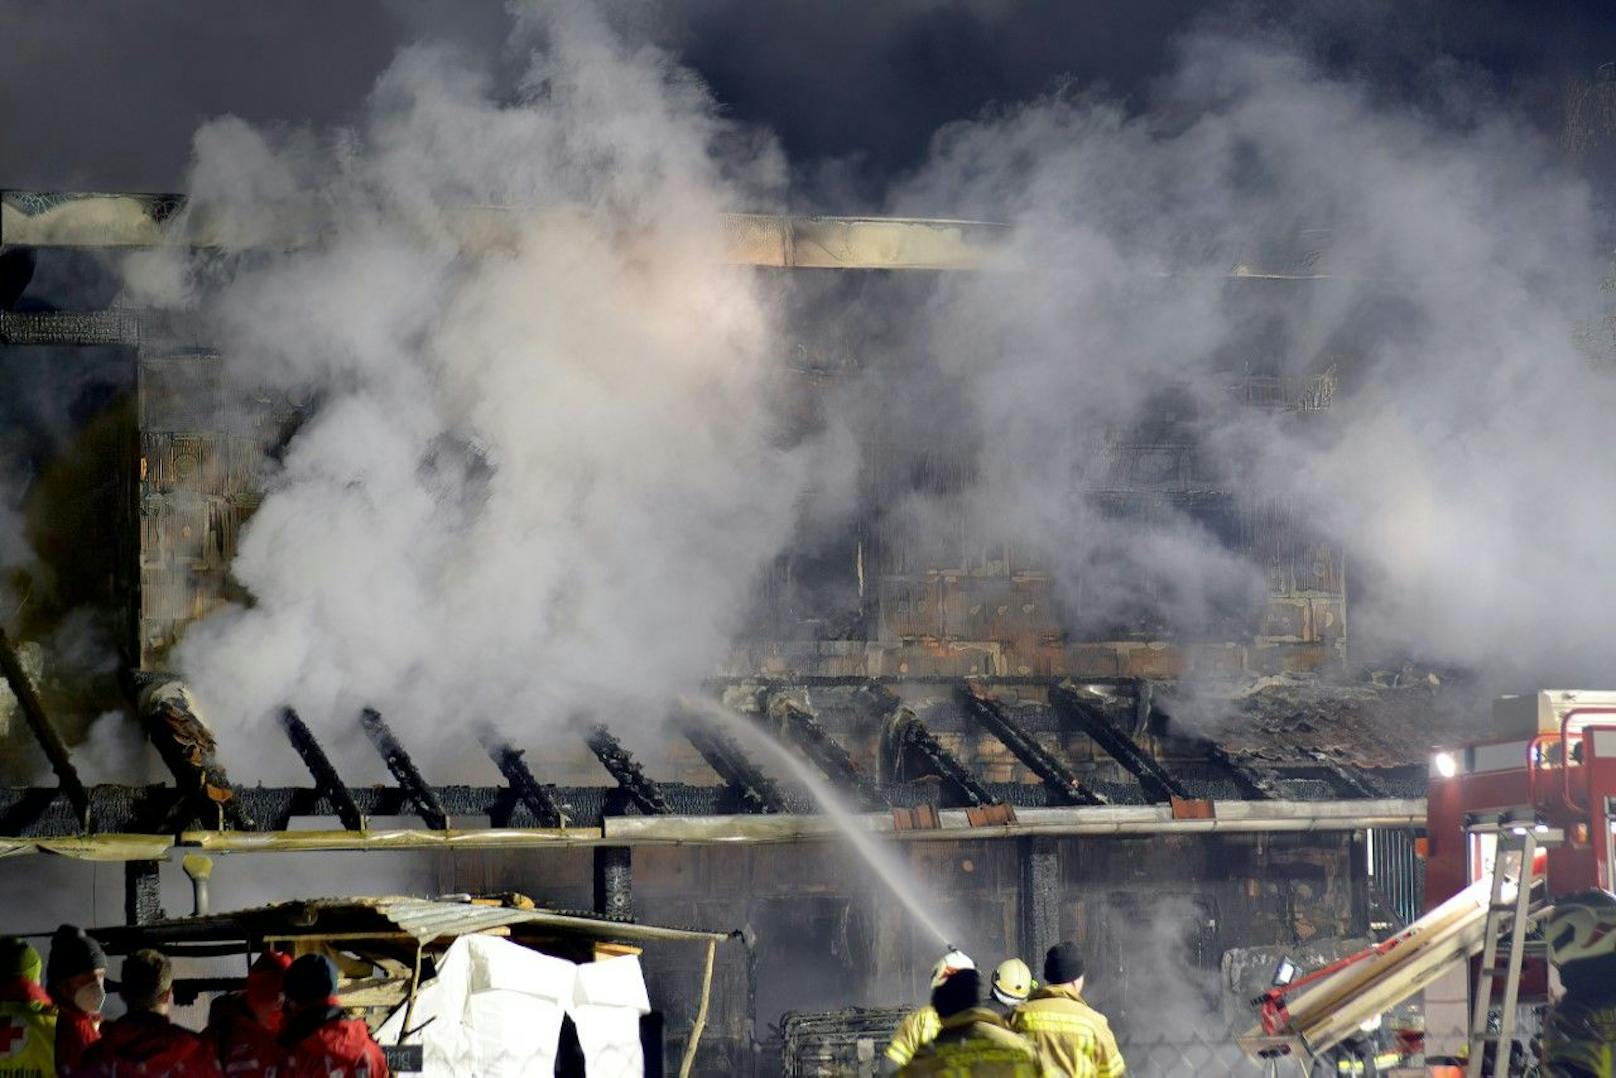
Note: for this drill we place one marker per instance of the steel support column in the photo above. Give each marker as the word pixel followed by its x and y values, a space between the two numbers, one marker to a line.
pixel 614 881
pixel 1040 898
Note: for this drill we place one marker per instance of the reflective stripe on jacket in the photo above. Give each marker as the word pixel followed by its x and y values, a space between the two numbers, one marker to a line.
pixel 975 1044
pixel 1070 1032
pixel 1579 1041
pixel 27 1039
pixel 916 1029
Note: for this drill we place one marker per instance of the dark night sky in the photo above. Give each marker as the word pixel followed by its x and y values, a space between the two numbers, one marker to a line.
pixel 106 95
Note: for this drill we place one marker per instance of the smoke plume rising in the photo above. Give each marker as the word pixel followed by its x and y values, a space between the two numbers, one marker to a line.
pixel 1440 272
pixel 541 473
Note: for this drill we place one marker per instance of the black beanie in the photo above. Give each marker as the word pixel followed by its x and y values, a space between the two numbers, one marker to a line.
pixel 310 979
pixel 1063 963
pixel 960 992
pixel 72 953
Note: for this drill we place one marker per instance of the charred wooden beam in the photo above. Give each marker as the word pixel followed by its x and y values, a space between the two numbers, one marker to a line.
pixel 755 790
pixel 50 741
pixel 1253 784
pixel 326 780
pixel 908 732
pixel 798 725
pixel 1156 781
pixel 1060 779
pixel 187 748
pixel 631 777
pixel 421 795
pixel 509 760
pixel 1353 780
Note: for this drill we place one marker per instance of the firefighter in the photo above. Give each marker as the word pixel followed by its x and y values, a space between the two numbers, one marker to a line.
pixel 319 1040
pixel 76 977
pixel 144 1041
pixel 921 1025
pixel 1579 1038
pixel 27 1016
pixel 1012 983
pixel 242 1026
pixel 1056 1019
pixel 973 1039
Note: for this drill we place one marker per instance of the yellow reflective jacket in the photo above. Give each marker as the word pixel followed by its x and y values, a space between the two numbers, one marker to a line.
pixel 976 1044
pixel 1579 1041
pixel 916 1029
pixel 27 1040
pixel 1070 1032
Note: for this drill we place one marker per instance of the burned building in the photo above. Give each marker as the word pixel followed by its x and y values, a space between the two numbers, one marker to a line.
pixel 1018 742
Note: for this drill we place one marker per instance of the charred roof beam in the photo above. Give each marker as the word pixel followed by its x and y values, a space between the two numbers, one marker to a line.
pixel 1353 780
pixel 631 777
pixel 904 733
pixel 421 795
pixel 328 784
pixel 908 732
pixel 1060 779
pixel 798 724
pixel 1254 785
pixel 757 792
pixel 527 789
pixel 1156 781
pixel 50 741
pixel 188 750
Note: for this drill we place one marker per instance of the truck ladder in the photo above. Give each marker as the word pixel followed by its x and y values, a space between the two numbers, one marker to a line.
pixel 1514 858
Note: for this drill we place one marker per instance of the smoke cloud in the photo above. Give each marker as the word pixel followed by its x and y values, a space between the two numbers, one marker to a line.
pixel 543 469
pixel 1443 284
pixel 542 472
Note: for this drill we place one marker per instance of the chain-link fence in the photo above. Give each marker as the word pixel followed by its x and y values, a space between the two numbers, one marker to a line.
pixel 1186 1055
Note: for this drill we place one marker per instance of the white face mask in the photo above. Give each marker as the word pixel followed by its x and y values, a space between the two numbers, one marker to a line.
pixel 90 998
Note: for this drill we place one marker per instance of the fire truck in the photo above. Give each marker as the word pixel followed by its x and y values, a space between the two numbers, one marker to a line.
pixel 1512 823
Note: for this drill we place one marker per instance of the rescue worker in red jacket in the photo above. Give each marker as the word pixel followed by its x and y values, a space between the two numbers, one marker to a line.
pixel 243 1025
pixel 144 1041
pixel 76 976
pixel 319 1040
pixel 27 1016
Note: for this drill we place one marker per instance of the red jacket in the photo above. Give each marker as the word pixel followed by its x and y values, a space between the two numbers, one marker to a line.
pixel 244 1044
pixel 322 1043
pixel 75 1032
pixel 143 1043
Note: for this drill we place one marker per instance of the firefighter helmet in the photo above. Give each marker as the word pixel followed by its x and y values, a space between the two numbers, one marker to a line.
pixel 1582 926
pixel 1012 982
pixel 948 965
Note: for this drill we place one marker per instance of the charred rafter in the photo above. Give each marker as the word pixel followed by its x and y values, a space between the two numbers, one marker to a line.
pixel 1254 785
pixel 1059 778
pixel 186 747
pixel 421 795
pixel 631 777
pixel 755 790
pixel 908 732
pixel 1155 780
pixel 327 782
pixel 1356 783
pixel 799 725
pixel 906 735
pixel 33 712
pixel 535 797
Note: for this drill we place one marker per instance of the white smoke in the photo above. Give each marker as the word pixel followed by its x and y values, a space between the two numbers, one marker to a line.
pixel 543 470
pixel 1462 465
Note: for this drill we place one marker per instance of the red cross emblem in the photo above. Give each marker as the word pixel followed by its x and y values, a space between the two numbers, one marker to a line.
pixel 12 1035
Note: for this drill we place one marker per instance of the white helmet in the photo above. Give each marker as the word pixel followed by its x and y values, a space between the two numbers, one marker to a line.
pixel 950 964
pixel 1582 926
